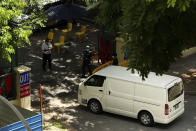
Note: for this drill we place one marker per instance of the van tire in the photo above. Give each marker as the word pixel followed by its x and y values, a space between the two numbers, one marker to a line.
pixel 146 118
pixel 95 106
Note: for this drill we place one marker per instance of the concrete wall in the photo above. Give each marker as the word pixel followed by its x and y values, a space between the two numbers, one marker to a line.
pixel 120 42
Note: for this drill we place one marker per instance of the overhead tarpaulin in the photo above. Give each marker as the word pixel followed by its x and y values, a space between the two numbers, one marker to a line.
pixel 66 11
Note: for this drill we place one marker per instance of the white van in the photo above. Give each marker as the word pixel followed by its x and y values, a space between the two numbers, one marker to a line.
pixel 115 89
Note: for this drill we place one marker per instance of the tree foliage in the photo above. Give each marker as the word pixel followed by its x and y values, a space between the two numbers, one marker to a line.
pixel 17 20
pixel 155 31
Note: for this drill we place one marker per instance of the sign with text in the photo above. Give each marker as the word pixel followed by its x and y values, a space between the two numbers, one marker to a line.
pixel 24 84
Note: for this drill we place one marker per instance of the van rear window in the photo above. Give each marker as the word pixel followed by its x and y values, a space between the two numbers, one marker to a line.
pixel 175 91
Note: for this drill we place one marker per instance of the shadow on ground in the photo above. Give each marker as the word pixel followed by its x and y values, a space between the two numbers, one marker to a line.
pixel 60 85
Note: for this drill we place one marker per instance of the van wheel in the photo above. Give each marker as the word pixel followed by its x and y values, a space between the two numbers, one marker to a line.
pixel 95 106
pixel 146 118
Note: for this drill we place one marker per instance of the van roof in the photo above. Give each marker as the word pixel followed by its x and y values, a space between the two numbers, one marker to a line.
pixel 124 74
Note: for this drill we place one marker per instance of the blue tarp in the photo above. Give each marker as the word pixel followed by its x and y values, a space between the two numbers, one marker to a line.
pixel 66 12
pixel 34 122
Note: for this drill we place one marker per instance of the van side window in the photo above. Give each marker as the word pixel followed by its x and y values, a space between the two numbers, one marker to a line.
pixel 95 81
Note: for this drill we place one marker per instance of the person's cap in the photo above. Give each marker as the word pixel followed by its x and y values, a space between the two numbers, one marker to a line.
pixel 87 47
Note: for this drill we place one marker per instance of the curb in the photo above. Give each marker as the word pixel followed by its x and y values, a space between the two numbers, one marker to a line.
pixel 188 52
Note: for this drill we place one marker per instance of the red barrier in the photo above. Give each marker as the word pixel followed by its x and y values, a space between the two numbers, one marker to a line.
pixel 5 84
pixel 105 50
pixel 40 87
pixel 9 84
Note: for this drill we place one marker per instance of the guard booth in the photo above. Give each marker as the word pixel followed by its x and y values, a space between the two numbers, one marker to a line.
pixel 15 78
pixel 22 84
pixel 7 86
pixel 15 87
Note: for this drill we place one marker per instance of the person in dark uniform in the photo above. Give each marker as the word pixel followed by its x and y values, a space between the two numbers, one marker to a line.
pixel 115 59
pixel 87 54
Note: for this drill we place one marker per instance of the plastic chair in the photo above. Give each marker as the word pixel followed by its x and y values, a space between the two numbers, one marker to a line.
pixel 61 42
pixel 51 36
pixel 82 33
pixel 68 30
pixel 69 27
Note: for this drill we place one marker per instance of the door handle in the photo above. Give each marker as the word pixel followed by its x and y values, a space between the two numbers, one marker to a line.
pixel 109 92
pixel 101 90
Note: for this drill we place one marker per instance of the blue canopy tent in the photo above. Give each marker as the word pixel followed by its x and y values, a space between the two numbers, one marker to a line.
pixel 67 11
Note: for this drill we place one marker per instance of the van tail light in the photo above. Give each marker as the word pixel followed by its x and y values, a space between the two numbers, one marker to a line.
pixel 166 109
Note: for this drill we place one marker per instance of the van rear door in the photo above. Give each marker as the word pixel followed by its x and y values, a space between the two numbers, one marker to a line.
pixel 175 99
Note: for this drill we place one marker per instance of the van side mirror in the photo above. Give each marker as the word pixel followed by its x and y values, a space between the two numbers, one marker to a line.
pixel 85 83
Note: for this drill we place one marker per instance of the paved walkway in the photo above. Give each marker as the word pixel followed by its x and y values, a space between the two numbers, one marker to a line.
pixel 71 60
pixel 186 69
pixel 60 85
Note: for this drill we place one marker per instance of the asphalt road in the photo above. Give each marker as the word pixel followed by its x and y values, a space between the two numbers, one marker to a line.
pixel 59 101
pixel 87 121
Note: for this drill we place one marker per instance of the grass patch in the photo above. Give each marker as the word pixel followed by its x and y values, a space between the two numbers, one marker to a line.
pixel 54 125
